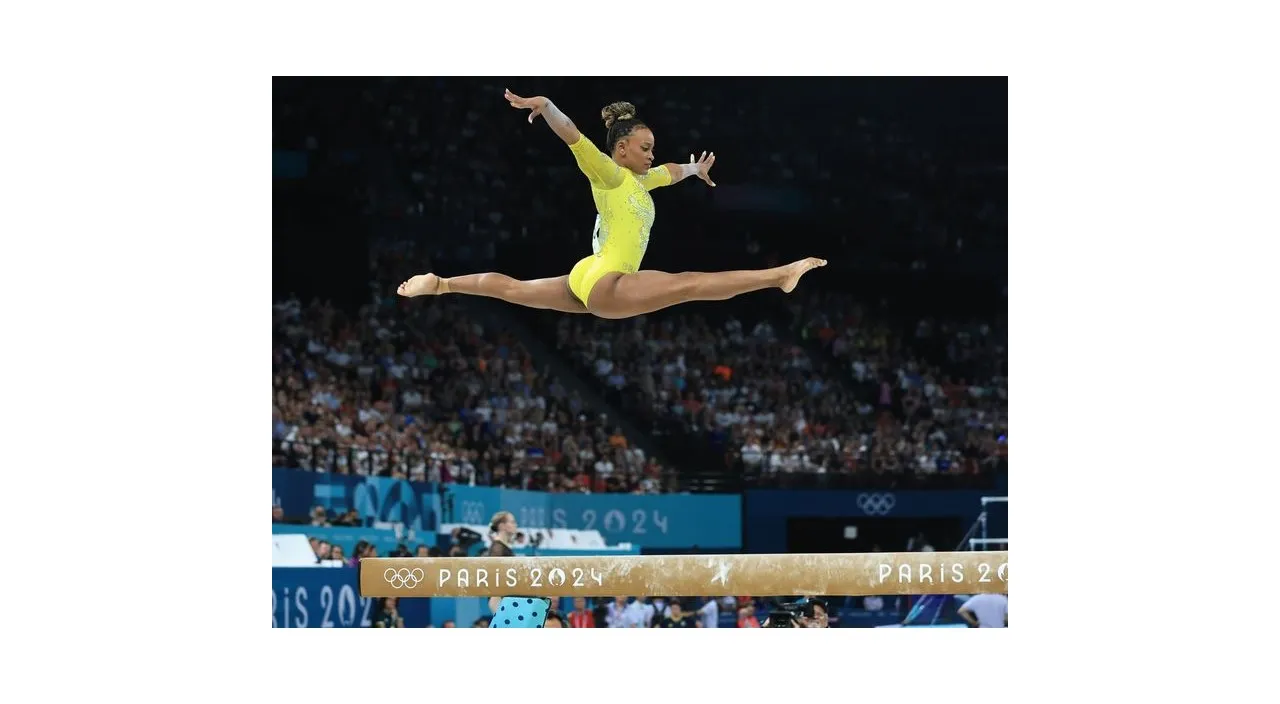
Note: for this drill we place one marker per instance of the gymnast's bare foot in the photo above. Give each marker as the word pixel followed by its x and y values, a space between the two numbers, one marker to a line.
pixel 423 285
pixel 792 272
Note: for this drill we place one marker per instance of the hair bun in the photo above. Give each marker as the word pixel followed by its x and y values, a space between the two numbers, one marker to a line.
pixel 617 111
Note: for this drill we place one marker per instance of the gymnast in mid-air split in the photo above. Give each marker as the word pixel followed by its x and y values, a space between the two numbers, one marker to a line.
pixel 609 283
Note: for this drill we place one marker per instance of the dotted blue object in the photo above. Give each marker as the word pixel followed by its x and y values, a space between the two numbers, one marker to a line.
pixel 535 609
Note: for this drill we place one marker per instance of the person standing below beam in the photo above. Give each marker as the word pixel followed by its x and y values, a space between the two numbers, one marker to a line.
pixel 986 611
pixel 512 611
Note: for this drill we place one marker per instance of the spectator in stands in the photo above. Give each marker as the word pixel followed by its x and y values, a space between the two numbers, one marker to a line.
pixel 638 614
pixel 336 553
pixel 678 618
pixel 277 514
pixel 422 551
pixel 616 616
pixel 814 614
pixel 747 618
pixel 709 614
pixel 581 616
pixel 555 620
pixel 359 553
pixel 388 615
pixel 350 518
pixel 600 611
pixel 449 623
pixel 986 611
pixel 820 618
pixel 323 549
pixel 318 517
pixel 661 609
pixel 482 622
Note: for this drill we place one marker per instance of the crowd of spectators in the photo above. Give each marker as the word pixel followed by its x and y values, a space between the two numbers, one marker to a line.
pixel 736 384
pixel 941 384
pixel 428 393
pixel 640 612
pixel 834 392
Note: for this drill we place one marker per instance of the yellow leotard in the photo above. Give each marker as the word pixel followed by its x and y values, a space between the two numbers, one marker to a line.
pixel 625 215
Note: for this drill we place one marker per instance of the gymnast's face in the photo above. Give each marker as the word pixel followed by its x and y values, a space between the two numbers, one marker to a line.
pixel 635 151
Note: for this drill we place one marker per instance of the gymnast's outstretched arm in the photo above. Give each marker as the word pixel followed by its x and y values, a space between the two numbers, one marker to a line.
pixel 670 173
pixel 599 169
pixel 539 105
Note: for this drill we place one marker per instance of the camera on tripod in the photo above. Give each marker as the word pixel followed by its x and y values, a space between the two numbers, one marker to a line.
pixel 466 538
pixel 793 614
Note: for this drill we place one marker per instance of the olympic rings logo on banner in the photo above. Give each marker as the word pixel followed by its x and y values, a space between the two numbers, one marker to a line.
pixel 473 513
pixel 403 577
pixel 876 504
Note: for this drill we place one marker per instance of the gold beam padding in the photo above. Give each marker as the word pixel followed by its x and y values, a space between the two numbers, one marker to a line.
pixel 853 574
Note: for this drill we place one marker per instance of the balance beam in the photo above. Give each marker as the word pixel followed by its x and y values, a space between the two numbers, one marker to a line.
pixel 854 574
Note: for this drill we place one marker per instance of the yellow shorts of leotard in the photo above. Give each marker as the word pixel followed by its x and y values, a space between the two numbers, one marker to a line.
pixel 589 270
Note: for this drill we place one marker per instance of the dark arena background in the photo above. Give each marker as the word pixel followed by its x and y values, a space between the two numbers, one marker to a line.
pixel 864 412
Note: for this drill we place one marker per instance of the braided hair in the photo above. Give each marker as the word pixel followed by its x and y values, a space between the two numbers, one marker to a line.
pixel 620 120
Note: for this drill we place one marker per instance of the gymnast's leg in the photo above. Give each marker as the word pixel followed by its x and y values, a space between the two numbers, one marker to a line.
pixel 550 293
pixel 619 295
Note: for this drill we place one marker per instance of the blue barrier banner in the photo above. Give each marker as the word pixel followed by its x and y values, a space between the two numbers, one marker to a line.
pixel 475 505
pixel 898 504
pixel 329 597
pixel 385 540
pixel 663 521
pixel 293 490
pixel 767 510
pixel 375 498
pixel 318 597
